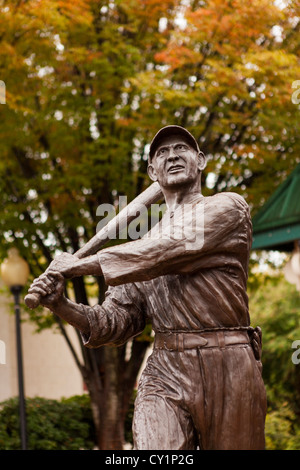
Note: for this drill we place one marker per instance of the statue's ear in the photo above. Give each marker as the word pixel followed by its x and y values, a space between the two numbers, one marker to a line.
pixel 201 161
pixel 151 172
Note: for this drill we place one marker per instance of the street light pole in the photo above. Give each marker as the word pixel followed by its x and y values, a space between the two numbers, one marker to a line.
pixel 15 272
pixel 16 291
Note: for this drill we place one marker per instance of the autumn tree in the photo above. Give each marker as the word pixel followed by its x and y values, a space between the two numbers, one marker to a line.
pixel 88 83
pixel 227 73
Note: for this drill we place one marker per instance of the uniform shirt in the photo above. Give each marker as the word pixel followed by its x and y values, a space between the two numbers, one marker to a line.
pixel 188 273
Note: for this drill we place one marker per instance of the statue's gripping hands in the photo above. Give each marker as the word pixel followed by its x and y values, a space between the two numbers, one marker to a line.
pixel 202 385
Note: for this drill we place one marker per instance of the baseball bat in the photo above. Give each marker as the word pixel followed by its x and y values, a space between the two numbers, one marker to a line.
pixel 151 195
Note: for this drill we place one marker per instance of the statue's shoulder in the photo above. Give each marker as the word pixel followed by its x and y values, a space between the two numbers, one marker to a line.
pixel 228 199
pixel 227 194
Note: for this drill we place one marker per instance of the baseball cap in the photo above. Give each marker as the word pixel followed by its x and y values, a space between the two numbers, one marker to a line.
pixel 171 130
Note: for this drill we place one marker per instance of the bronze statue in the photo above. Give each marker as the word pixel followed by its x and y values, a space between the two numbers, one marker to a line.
pixel 202 386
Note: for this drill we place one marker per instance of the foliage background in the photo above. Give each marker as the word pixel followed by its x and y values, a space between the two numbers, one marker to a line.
pixel 65 424
pixel 275 307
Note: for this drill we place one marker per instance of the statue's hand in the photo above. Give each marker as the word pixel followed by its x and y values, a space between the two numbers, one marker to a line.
pixel 64 264
pixel 50 286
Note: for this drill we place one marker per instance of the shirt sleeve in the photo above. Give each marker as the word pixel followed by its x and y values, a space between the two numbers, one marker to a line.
pixel 183 244
pixel 119 318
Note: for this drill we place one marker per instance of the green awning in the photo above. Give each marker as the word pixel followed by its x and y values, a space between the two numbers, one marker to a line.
pixel 277 224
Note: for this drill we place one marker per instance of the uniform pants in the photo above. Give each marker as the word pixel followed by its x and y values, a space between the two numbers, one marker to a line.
pixel 201 398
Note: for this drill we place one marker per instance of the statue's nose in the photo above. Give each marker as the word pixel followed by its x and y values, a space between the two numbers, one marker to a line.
pixel 172 155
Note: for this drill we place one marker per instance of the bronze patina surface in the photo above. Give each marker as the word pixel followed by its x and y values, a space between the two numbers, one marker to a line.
pixel 202 386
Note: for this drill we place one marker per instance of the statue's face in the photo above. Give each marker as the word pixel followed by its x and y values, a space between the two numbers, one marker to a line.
pixel 175 162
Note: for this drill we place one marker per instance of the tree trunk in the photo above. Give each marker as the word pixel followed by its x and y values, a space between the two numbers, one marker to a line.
pixel 112 428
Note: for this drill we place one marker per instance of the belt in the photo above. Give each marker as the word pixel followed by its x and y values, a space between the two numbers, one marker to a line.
pixel 178 341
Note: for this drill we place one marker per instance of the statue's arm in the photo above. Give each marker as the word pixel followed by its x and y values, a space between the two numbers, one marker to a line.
pixel 70 266
pixel 119 318
pixel 72 313
pixel 51 287
pixel 222 235
pixel 219 230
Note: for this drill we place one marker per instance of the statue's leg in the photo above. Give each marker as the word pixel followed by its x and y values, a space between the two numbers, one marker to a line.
pixel 161 420
pixel 160 425
pixel 234 397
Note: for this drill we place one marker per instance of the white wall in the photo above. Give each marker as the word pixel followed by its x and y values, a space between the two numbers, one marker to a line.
pixel 49 368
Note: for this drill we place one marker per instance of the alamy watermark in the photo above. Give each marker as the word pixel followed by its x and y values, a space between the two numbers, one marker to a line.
pixel 2 92
pixel 2 352
pixel 296 354
pixel 296 93
pixel 186 223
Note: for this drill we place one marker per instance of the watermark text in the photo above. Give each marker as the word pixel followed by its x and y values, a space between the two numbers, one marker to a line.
pixel 296 93
pixel 2 92
pixel 296 354
pixel 2 352
pixel 156 223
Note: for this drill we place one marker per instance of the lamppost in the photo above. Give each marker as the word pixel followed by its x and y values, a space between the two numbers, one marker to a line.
pixel 15 272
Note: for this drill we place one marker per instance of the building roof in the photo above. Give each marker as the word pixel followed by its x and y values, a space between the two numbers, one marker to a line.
pixel 277 223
